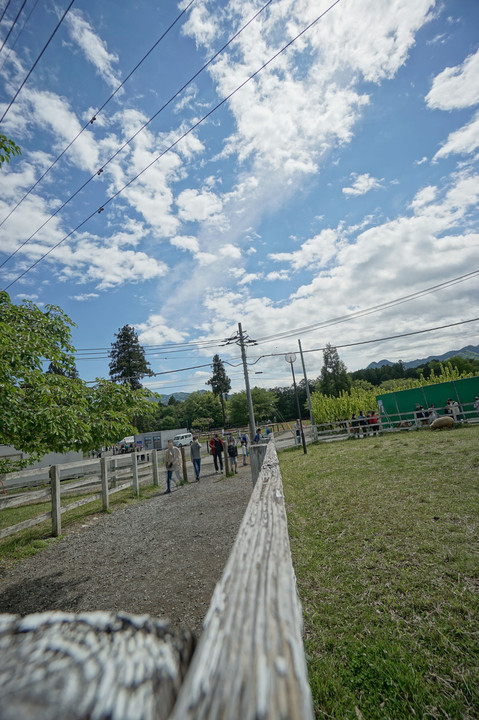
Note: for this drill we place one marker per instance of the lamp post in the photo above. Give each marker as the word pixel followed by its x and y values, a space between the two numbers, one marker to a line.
pixel 291 357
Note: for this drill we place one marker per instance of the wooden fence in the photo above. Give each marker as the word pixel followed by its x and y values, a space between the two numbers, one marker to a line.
pixel 111 476
pixel 250 660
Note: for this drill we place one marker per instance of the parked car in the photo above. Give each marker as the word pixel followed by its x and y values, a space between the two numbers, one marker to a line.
pixel 183 440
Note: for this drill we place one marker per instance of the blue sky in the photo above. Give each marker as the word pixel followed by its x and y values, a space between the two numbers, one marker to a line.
pixel 343 176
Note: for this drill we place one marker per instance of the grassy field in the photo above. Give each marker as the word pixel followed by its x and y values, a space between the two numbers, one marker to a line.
pixel 385 538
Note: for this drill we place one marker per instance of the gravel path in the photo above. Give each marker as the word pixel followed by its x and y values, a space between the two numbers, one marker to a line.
pixel 161 556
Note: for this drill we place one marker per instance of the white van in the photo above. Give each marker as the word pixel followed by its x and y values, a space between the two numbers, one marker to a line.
pixel 183 440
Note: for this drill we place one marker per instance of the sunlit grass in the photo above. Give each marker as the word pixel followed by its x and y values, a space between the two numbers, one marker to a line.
pixel 384 536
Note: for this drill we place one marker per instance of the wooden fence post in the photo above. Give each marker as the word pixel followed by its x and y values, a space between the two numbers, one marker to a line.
pixel 183 462
pixel 104 483
pixel 56 514
pixel 134 469
pixel 156 473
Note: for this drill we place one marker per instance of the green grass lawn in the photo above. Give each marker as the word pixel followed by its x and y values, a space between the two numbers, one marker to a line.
pixel 385 539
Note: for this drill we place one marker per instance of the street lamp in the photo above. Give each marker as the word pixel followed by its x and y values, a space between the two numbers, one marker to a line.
pixel 291 357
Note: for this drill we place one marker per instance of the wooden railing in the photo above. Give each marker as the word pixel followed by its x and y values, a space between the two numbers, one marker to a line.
pixel 106 479
pixel 250 660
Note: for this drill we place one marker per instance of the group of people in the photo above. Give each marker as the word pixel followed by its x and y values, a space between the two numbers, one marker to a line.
pixel 364 423
pixel 216 447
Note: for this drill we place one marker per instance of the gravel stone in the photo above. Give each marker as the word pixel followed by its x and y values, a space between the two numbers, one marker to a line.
pixel 162 556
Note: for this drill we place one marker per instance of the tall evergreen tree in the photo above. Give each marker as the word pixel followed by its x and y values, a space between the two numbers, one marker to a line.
pixel 128 364
pixel 220 383
pixel 334 375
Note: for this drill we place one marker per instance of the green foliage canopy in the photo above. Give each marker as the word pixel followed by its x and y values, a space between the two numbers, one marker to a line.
pixel 53 412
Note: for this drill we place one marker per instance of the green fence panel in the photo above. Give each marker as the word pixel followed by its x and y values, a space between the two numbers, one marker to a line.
pixel 404 401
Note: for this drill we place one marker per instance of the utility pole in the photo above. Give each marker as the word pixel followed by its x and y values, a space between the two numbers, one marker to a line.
pixel 252 424
pixel 308 395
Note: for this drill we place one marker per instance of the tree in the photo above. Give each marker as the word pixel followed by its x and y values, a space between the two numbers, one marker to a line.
pixel 264 406
pixel 53 412
pixel 199 405
pixel 128 363
pixel 220 383
pixel 7 149
pixel 334 377
pixel 56 370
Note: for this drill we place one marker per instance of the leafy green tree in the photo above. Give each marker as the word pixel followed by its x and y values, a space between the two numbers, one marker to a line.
pixel 56 370
pixel 128 363
pixel 264 406
pixel 172 400
pixel 7 149
pixel 199 405
pixel 334 377
pixel 220 383
pixel 53 412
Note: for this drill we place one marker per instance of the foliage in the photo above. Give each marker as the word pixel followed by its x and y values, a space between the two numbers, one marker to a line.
pixel 53 412
pixel 56 370
pixel 8 149
pixel 286 408
pixel 200 405
pixel 362 395
pixel 264 406
pixel 377 376
pixel 220 383
pixel 128 363
pixel 384 544
pixel 334 377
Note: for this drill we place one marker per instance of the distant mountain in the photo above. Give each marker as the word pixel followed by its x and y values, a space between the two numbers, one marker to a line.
pixel 470 352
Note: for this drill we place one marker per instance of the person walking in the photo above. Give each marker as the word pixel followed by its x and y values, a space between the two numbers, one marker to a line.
pixel 195 455
pixel 244 447
pixel 233 453
pixel 216 445
pixel 172 462
pixel 297 431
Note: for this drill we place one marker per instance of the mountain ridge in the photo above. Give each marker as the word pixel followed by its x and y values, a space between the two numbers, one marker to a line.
pixel 468 351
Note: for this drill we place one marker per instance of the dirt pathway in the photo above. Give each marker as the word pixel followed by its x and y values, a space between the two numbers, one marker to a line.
pixel 162 556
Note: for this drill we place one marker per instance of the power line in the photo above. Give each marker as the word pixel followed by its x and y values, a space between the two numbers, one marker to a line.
pixel 17 38
pixel 367 311
pixel 173 144
pixel 381 339
pixel 13 24
pixel 90 122
pixel 36 61
pixel 126 143
pixel 5 10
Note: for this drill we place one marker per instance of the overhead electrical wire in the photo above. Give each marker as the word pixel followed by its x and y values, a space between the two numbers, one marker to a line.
pixel 127 142
pixel 13 24
pixel 36 61
pixel 369 342
pixel 5 10
pixel 366 311
pixel 344 345
pixel 173 144
pixel 12 46
pixel 91 121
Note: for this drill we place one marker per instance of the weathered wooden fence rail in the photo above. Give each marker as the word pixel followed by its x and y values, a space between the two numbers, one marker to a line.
pixel 110 470
pixel 250 662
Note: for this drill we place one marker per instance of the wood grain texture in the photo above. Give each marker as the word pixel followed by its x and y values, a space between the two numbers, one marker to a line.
pixel 92 665
pixel 250 661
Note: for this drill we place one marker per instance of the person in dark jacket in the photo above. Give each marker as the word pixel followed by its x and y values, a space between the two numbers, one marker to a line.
pixel 233 453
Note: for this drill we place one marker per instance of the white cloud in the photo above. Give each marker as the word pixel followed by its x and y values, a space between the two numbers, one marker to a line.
pixel 159 329
pixel 85 297
pixel 462 141
pixel 361 185
pixel 94 47
pixel 198 206
pixel 424 197
pixel 186 242
pixel 277 275
pixel 456 87
pixel 317 251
